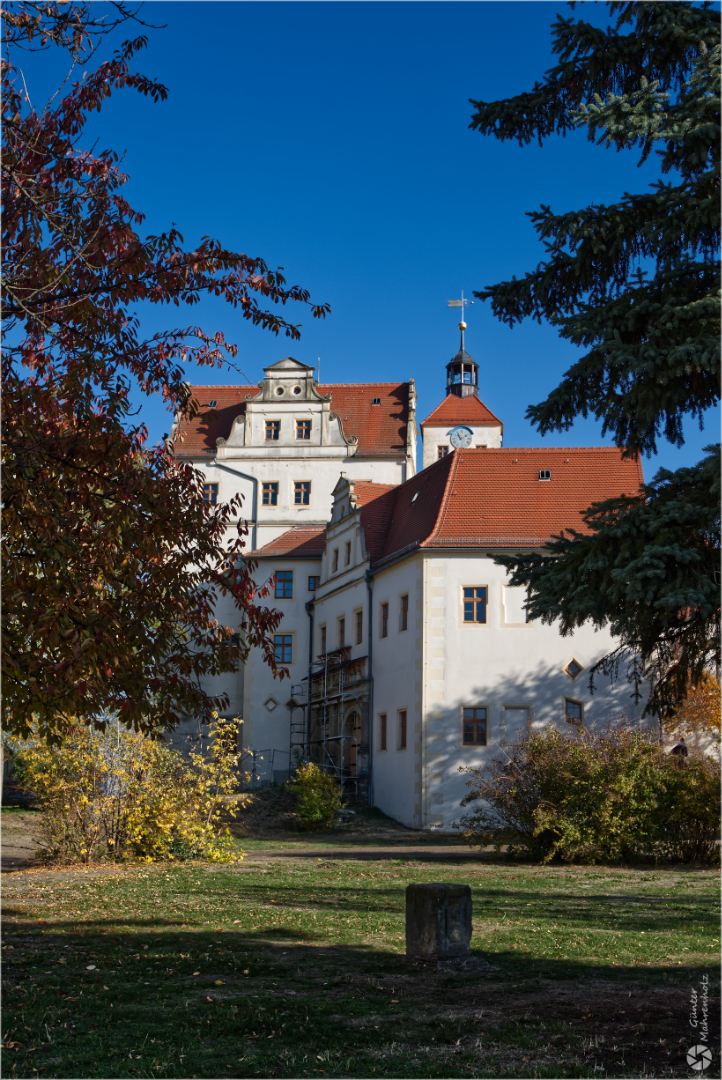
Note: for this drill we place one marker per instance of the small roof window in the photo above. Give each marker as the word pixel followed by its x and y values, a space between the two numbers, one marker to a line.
pixel 545 474
pixel 415 497
pixel 376 401
pixel 212 404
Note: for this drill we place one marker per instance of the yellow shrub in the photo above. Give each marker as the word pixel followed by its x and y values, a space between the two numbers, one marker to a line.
pixel 118 794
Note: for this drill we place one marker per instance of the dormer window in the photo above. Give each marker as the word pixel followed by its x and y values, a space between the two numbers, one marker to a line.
pixel 545 474
pixel 376 401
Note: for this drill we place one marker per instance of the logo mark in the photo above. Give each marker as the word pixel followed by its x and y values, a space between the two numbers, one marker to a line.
pixel 699 1057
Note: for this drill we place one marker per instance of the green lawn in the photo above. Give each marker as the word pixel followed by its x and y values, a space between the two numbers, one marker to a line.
pixel 297 968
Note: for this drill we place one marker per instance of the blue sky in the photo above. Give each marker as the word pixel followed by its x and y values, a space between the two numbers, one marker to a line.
pixel 332 139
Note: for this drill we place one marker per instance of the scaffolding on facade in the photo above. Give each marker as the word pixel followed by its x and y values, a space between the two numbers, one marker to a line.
pixel 334 731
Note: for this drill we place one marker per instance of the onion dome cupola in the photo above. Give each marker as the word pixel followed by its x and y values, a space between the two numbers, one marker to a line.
pixel 462 372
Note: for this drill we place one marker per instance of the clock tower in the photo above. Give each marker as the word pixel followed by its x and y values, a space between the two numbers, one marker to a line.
pixel 462 420
pixel 462 372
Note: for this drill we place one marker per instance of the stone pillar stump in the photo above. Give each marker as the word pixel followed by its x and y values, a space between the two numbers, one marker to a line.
pixel 438 921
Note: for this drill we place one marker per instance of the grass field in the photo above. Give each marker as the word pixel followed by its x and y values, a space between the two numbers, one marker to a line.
pixel 295 967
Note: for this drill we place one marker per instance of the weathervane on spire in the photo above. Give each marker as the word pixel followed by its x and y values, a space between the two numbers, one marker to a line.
pixel 460 304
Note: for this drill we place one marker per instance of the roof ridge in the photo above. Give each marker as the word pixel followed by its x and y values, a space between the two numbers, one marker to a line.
pixel 448 491
pixel 451 401
pixel 545 449
pixel 402 382
pixel 386 521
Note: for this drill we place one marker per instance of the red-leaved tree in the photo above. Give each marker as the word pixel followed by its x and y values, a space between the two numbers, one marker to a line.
pixel 113 561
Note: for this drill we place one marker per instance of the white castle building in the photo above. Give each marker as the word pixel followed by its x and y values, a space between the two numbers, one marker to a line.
pixel 408 654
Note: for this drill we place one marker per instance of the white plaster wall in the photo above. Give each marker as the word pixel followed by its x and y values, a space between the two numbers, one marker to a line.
pixel 397 685
pixel 484 435
pixel 342 602
pixel 342 593
pixel 267 728
pixel 268 522
pixel 502 665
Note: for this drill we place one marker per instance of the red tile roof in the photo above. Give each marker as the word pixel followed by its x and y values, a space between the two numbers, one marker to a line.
pixel 302 542
pixel 377 504
pixel 197 437
pixel 485 498
pixel 458 410
pixel 416 507
pixel 494 498
pixel 380 429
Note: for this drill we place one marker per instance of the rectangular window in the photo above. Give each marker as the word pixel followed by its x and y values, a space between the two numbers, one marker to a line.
pixel 384 620
pixel 474 727
pixel 402 729
pixel 382 731
pixel 284 584
pixel 441 451
pixel 301 493
pixel 231 647
pixel 303 429
pixel 282 643
pixel 273 430
pixel 334 562
pixel 347 553
pixel 323 640
pixel 313 583
pixel 341 633
pixel 270 494
pixel 475 605
pixel 404 613
pixel 359 627
pixel 573 712
pixel 210 494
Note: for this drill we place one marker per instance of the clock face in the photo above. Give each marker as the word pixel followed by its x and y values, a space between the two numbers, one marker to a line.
pixel 461 438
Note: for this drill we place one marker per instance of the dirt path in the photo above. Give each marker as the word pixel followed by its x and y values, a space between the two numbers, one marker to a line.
pixel 442 853
pixel 19 841
pixel 268 827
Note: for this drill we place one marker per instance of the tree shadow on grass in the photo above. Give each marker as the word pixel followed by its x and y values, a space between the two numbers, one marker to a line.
pixel 224 1002
pixel 341 998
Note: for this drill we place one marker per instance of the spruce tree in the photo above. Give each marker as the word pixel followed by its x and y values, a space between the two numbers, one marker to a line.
pixel 636 284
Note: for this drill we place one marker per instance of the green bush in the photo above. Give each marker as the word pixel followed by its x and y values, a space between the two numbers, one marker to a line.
pixel 595 796
pixel 692 821
pixel 318 796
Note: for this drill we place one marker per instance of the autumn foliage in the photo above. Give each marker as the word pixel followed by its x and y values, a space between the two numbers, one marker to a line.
pixel 698 717
pixel 597 796
pixel 119 795
pixel 113 561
